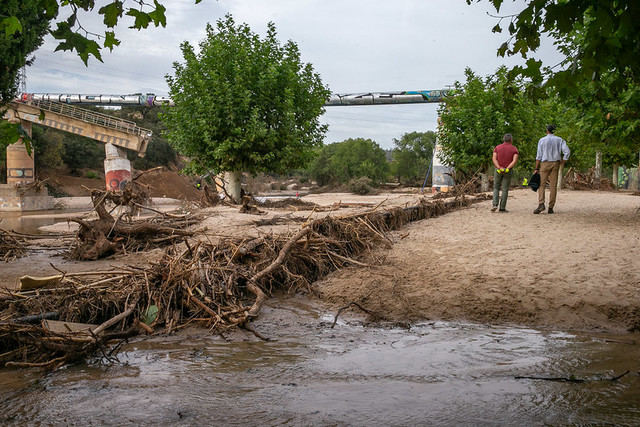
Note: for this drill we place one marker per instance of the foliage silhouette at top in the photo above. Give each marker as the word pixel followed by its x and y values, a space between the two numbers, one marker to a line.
pixel 244 103
pixel 24 23
pixel 596 37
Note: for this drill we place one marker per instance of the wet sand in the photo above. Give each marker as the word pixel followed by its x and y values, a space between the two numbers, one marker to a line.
pixel 576 269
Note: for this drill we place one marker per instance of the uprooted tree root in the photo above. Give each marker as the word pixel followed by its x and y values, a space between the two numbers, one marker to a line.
pixel 11 247
pixel 219 286
pixel 108 235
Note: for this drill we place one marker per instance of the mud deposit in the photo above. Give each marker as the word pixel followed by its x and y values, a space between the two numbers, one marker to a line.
pixel 433 373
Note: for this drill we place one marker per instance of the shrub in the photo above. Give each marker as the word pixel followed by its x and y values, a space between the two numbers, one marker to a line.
pixel 362 185
pixel 92 175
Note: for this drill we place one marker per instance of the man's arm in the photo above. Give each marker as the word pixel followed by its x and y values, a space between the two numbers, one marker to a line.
pixel 513 162
pixel 538 156
pixel 495 160
pixel 565 151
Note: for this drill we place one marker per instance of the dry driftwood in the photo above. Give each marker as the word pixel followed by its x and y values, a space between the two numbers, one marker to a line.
pixel 108 235
pixel 11 246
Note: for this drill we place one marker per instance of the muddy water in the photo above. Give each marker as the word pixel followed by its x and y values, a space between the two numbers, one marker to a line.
pixel 30 222
pixel 431 374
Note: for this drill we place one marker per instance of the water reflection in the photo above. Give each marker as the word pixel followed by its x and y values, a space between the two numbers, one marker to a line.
pixel 434 373
pixel 30 222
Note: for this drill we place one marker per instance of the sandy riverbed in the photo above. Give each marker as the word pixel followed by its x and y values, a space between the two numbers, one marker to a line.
pixel 576 269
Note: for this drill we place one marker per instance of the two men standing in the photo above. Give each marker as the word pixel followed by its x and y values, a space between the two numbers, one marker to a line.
pixel 553 152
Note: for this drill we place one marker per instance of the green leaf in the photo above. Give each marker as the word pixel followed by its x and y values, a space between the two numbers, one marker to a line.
pixel 112 12
pixel 142 18
pixel 11 26
pixel 158 15
pixel 150 315
pixel 110 40
pixel 74 41
pixel 496 29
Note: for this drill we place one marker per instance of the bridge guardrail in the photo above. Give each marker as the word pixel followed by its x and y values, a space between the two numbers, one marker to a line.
pixel 89 116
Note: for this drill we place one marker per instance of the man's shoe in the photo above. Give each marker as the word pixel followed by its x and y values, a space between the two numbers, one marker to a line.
pixel 493 209
pixel 539 209
pixel 503 210
pixel 550 211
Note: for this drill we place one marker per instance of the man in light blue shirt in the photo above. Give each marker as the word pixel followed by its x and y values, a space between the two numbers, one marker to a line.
pixel 553 152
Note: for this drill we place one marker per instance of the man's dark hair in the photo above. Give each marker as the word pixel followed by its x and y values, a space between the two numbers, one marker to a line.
pixel 507 137
pixel 551 128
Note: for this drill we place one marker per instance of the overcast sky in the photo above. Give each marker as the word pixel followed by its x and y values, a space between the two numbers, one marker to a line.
pixel 355 45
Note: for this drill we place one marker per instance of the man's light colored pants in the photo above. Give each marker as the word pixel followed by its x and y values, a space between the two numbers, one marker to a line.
pixel 548 170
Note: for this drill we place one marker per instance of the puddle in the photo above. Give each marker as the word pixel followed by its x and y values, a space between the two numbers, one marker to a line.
pixel 30 222
pixel 434 373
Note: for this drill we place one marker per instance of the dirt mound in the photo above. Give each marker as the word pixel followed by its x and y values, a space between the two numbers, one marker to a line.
pixel 170 184
pixel 162 183
pixel 61 184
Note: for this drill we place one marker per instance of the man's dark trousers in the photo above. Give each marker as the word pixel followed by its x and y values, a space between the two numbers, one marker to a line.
pixel 501 181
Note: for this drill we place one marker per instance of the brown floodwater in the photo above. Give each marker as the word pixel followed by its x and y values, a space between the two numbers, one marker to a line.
pixel 433 373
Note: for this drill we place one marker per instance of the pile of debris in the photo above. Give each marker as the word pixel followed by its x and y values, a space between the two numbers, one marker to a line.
pixel 123 234
pixel 461 191
pixel 586 181
pixel 55 320
pixel 12 246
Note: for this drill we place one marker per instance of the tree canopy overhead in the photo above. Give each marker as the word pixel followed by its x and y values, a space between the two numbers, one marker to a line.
pixel 244 103
pixel 596 36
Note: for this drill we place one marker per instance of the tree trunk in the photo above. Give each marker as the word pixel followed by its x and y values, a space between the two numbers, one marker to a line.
pixel 484 182
pixel 598 170
pixel 232 185
pixel 614 176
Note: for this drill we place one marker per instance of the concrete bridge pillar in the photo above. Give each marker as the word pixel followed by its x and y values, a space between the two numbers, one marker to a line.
pixel 20 165
pixel 117 168
pixel 441 180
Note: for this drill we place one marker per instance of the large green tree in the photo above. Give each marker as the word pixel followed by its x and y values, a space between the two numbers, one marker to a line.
pixel 244 103
pixel 412 155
